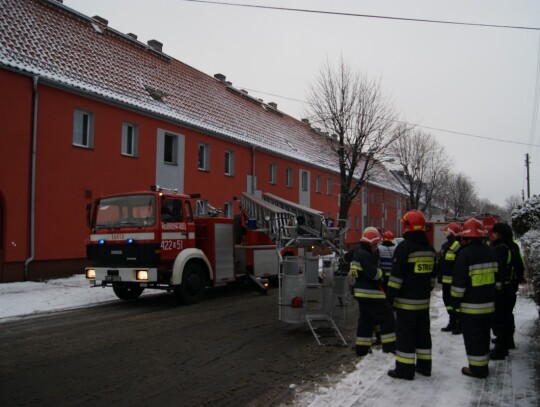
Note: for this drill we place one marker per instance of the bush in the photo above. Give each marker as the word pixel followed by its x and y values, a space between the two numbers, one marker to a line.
pixel 526 216
pixel 530 242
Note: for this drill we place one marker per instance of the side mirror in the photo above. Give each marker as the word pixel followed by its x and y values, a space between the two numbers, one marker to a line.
pixel 88 214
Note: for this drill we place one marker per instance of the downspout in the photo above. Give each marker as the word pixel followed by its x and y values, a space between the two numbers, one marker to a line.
pixel 253 184
pixel 32 178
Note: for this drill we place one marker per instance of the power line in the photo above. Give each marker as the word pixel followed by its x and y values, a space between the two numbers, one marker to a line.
pixel 530 144
pixel 338 13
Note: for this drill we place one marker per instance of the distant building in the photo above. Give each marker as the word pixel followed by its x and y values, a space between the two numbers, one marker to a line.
pixel 87 111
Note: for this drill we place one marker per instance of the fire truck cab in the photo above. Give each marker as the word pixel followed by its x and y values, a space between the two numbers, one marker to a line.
pixel 151 239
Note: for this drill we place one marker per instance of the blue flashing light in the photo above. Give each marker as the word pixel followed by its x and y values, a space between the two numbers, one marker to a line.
pixel 130 240
pixel 101 241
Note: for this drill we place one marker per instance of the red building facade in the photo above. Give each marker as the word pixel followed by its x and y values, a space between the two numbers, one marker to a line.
pixel 78 124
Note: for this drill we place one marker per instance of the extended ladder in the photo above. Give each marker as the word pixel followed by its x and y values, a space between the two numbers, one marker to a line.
pixel 310 221
pixel 272 219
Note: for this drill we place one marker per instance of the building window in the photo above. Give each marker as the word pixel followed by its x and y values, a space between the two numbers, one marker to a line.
pixel 329 186
pixel 229 163
pixel 357 222
pixel 318 184
pixel 273 173
pixel 130 139
pixel 288 177
pixel 228 210
pixel 170 150
pixel 204 157
pixel 83 129
pixel 304 182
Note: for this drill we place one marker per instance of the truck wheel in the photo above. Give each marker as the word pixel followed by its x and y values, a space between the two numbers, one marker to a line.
pixel 193 284
pixel 128 293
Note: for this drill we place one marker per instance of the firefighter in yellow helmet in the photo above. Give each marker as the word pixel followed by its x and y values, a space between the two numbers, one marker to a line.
pixel 473 295
pixel 409 289
pixel 373 307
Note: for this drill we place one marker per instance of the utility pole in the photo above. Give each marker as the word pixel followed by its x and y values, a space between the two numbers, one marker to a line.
pixel 528 181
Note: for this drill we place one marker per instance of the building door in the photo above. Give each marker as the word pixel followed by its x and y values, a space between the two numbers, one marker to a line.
pixel 170 150
pixel 304 198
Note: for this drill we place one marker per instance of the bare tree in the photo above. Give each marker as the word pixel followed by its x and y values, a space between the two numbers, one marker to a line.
pixel 359 122
pixel 485 206
pixel 512 202
pixel 424 167
pixel 462 194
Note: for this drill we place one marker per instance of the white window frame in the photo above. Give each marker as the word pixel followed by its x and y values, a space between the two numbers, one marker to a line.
pixel 130 139
pixel 318 184
pixel 83 128
pixel 273 173
pixel 229 163
pixel 328 186
pixel 174 149
pixel 289 177
pixel 203 153
pixel 228 210
pixel 304 181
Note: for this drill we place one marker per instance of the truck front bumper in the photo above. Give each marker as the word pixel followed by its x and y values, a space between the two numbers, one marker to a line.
pixel 106 275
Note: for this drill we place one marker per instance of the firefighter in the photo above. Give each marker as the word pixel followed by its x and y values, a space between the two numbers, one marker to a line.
pixel 409 289
pixel 386 253
pixel 473 295
pixel 372 304
pixel 511 266
pixel 445 267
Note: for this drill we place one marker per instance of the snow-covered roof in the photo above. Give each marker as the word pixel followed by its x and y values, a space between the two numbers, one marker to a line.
pixel 49 39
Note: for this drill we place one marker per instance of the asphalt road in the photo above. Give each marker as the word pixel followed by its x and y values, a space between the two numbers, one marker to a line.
pixel 229 350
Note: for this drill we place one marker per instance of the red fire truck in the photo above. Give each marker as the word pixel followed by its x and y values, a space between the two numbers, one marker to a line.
pixel 435 233
pixel 153 239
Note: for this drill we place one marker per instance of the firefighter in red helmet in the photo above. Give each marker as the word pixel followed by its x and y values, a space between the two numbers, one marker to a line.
pixel 373 307
pixel 473 295
pixel 409 289
pixel 445 269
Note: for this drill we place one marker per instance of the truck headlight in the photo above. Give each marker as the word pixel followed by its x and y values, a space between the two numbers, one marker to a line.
pixel 141 274
pixel 91 274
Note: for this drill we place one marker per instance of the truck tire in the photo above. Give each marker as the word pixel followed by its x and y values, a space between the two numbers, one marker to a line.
pixel 128 293
pixel 193 284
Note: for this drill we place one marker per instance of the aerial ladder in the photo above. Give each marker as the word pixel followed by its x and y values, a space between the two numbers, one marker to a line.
pixel 312 289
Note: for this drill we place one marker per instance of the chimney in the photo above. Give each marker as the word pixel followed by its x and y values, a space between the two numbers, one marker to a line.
pixel 273 104
pixel 245 92
pixel 228 83
pixel 220 77
pixel 156 45
pixel 305 121
pixel 131 35
pixel 101 20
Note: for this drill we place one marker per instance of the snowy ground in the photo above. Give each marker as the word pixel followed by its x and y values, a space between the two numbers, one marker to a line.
pixel 511 382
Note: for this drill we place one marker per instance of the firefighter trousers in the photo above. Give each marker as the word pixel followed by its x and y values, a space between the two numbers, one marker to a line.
pixel 374 312
pixel 476 335
pixel 446 288
pixel 503 321
pixel 413 342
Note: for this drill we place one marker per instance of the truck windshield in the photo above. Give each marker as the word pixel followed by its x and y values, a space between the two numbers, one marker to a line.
pixel 125 211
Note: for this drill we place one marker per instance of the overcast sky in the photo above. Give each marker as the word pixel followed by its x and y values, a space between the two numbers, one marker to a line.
pixel 465 79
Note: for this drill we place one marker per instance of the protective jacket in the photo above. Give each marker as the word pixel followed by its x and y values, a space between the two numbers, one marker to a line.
pixel 386 253
pixel 413 273
pixel 447 258
pixel 365 269
pixel 473 283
